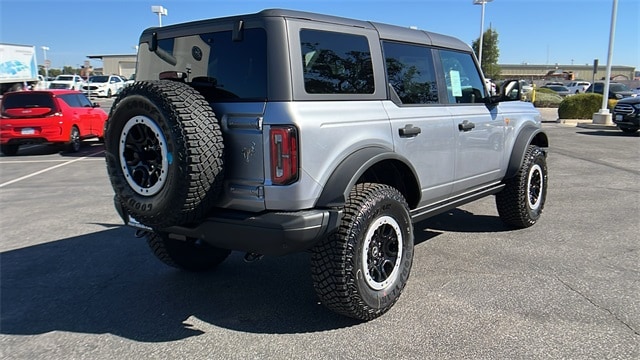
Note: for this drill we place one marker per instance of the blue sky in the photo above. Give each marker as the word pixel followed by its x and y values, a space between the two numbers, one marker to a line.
pixel 529 31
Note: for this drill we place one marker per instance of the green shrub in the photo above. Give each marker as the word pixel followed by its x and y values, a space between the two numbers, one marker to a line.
pixel 544 99
pixel 582 106
pixel 544 90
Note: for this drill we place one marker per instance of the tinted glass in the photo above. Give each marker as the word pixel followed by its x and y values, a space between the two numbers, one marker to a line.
pixel 464 84
pixel 336 63
pixel 237 70
pixel 99 79
pixel 84 101
pixel 71 100
pixel 27 100
pixel 411 73
pixel 618 87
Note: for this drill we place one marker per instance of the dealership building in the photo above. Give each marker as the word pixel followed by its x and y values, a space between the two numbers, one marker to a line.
pixel 565 72
pixel 124 65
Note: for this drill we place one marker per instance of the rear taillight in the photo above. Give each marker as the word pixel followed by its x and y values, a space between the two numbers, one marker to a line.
pixel 284 155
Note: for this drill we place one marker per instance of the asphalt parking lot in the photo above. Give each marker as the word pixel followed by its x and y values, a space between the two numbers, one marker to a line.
pixel 75 284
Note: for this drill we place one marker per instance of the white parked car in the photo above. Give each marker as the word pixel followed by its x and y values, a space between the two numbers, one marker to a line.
pixel 131 80
pixel 578 87
pixel 40 85
pixel 103 85
pixel 70 82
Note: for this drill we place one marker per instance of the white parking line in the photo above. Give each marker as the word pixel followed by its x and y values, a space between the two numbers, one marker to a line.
pixel 44 161
pixel 49 168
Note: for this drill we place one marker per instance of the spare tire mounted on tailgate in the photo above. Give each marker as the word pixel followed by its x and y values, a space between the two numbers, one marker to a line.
pixel 164 153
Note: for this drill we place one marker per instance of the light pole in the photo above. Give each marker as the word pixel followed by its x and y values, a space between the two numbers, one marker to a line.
pixel 604 116
pixel 46 65
pixel 481 2
pixel 161 11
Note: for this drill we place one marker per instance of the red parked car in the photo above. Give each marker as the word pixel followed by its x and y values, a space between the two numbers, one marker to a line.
pixel 50 116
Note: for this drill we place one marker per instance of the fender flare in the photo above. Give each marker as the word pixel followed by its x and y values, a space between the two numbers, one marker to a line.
pixel 528 135
pixel 346 174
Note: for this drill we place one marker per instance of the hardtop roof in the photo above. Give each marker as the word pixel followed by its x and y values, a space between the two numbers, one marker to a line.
pixel 385 31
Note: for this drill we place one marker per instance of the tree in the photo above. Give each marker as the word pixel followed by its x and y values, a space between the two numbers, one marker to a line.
pixel 490 53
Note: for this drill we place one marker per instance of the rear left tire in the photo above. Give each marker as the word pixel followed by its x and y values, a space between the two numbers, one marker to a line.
pixel 191 254
pixel 361 269
pixel 9 150
pixel 74 143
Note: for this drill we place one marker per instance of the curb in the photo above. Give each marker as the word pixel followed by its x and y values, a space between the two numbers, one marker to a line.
pixel 597 126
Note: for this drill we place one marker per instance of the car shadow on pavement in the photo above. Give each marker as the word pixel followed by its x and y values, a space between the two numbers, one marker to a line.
pixel 109 282
pixel 612 133
pixel 88 148
pixel 459 220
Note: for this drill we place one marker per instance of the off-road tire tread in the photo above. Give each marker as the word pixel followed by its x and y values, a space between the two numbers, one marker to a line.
pixel 332 261
pixel 511 202
pixel 199 143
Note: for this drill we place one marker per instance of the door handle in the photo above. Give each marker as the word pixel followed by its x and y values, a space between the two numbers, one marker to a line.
pixel 409 131
pixel 466 125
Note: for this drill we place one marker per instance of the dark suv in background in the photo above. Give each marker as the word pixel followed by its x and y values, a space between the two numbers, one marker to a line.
pixel 616 90
pixel 626 114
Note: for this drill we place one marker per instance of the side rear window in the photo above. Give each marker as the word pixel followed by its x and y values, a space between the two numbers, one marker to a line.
pixel 336 63
pixel 70 99
pixel 84 101
pixel 411 73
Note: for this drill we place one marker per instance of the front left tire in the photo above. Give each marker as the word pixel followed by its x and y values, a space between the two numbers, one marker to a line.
pixel 521 202
pixel 628 130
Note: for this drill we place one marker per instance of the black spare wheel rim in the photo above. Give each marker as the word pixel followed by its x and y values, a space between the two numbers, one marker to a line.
pixel 143 155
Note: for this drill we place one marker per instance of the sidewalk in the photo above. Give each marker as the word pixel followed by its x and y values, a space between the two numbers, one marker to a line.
pixel 550 115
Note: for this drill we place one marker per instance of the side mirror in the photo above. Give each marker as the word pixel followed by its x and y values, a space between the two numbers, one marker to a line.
pixel 95 105
pixel 509 91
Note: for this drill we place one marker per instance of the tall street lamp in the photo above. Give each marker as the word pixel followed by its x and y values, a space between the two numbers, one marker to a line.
pixel 604 116
pixel 161 11
pixel 481 2
pixel 46 65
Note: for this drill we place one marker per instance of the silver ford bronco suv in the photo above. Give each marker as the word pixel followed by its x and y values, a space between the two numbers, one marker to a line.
pixel 286 131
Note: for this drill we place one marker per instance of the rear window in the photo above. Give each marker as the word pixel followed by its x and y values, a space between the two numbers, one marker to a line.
pixel 27 100
pixel 237 69
pixel 223 68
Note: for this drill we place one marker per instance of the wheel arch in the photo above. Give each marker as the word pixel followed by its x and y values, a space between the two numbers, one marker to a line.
pixel 371 164
pixel 527 136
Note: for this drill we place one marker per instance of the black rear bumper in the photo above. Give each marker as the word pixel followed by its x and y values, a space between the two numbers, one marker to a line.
pixel 268 233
